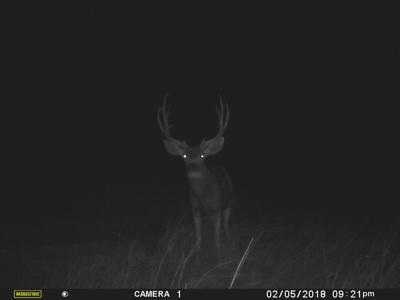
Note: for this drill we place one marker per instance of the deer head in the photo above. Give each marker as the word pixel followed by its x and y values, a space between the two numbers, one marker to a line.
pixel 193 156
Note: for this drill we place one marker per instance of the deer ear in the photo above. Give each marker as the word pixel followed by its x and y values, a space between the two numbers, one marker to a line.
pixel 173 148
pixel 214 146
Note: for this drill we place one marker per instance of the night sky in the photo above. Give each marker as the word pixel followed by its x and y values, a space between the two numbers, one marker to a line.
pixel 310 91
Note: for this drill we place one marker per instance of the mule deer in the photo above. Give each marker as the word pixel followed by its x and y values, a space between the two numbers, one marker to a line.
pixel 210 187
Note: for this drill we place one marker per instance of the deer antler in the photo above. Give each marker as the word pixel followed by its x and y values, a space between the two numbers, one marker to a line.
pixel 223 119
pixel 162 118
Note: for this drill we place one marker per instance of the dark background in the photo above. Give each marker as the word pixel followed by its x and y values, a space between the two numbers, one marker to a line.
pixel 311 90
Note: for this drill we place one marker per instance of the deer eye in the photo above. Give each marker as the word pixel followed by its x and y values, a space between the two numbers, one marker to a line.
pixel 202 155
pixel 184 155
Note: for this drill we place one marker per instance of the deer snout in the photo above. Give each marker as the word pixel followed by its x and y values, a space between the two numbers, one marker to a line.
pixel 192 167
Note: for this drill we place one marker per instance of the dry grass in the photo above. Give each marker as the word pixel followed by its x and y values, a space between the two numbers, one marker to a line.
pixel 273 255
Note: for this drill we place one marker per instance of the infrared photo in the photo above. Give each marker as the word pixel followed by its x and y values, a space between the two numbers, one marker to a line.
pixel 201 146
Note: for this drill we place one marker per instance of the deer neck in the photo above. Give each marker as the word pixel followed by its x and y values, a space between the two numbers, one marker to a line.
pixel 197 178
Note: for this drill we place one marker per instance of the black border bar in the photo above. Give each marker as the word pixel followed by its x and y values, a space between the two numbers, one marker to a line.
pixel 117 294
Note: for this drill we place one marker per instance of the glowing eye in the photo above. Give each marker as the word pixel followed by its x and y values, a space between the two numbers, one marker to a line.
pixel 184 155
pixel 202 156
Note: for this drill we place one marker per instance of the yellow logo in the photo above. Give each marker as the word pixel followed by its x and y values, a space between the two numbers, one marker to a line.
pixel 27 294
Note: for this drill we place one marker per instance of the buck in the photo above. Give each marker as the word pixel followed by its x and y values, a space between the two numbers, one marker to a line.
pixel 210 187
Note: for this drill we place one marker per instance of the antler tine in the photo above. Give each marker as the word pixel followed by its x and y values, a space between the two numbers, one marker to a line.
pixel 163 120
pixel 220 111
pixel 223 116
pixel 227 114
pixel 159 120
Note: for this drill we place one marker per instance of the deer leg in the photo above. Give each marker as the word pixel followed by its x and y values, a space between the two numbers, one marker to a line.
pixel 197 228
pixel 226 216
pixel 217 227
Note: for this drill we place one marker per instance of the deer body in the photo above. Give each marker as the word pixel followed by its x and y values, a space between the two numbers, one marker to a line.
pixel 211 195
pixel 211 183
pixel 210 187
